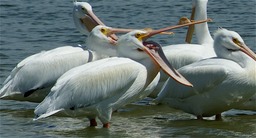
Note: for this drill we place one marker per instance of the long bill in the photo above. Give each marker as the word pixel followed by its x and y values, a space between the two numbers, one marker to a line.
pixel 119 30
pixel 159 58
pixel 248 51
pixel 191 28
pixel 154 32
pixel 91 20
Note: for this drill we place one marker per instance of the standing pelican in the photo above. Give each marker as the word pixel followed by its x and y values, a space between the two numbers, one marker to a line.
pixel 180 55
pixel 98 88
pixel 199 12
pixel 220 83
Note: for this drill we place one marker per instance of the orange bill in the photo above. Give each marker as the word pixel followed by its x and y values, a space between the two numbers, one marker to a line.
pixel 154 32
pixel 247 51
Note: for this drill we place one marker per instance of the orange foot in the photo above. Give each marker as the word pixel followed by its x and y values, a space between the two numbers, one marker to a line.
pixel 107 125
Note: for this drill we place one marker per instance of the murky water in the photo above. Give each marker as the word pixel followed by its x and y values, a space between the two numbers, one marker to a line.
pixel 28 27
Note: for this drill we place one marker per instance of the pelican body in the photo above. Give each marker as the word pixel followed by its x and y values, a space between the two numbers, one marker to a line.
pixel 33 77
pixel 220 83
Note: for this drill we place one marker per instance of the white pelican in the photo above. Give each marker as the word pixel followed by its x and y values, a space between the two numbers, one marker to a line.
pixel 98 88
pixel 33 77
pixel 180 55
pixel 220 83
pixel 84 18
pixel 199 12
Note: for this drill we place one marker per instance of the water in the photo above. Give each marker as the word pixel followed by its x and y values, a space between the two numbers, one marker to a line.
pixel 29 26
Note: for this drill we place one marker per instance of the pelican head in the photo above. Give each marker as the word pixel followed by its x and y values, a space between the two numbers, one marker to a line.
pixel 84 18
pixel 131 42
pixel 100 39
pixel 228 44
pixel 131 45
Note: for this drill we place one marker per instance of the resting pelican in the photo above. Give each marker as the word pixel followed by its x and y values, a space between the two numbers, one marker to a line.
pixel 98 88
pixel 195 53
pixel 199 12
pixel 220 83
pixel 33 77
pixel 180 55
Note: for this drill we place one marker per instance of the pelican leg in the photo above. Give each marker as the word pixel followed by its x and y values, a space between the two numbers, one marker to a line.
pixel 218 117
pixel 199 117
pixel 93 122
pixel 107 125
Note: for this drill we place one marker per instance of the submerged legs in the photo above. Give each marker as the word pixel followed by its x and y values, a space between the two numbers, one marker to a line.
pixel 93 122
pixel 218 117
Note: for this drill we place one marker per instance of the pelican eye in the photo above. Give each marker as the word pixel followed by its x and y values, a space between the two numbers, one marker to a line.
pixel 138 35
pixel 139 49
pixel 103 30
pixel 83 8
pixel 236 41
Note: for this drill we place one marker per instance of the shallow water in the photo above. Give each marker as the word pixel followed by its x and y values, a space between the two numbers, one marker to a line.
pixel 28 27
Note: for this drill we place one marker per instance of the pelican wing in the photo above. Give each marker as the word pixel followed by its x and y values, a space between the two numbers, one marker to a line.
pixel 56 51
pixel 204 75
pixel 42 70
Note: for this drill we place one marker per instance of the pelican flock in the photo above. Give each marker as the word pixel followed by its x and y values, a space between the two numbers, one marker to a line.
pixel 114 71
pixel 67 86
pixel 96 91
